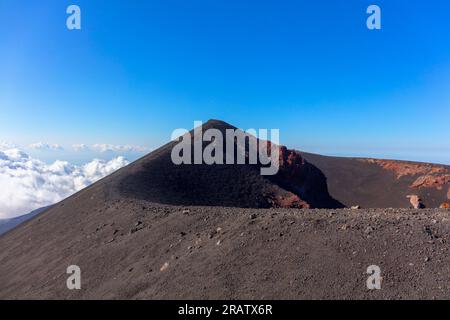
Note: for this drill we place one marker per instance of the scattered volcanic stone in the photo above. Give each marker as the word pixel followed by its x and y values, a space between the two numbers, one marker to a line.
pixel 164 266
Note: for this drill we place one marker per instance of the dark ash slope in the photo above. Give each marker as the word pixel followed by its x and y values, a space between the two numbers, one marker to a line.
pixel 133 249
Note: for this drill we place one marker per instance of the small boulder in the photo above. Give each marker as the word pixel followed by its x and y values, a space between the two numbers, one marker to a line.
pixel 164 266
pixel 415 201
pixel 445 205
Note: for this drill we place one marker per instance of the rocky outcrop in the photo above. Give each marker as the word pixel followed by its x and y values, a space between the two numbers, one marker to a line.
pixel 292 176
pixel 291 163
pixel 416 202
pixel 431 181
pixel 404 168
pixel 288 200
pixel 304 180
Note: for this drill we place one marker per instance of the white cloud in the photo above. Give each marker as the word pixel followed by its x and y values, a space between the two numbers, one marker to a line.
pixel 6 145
pixel 119 148
pixel 105 147
pixel 80 147
pixel 45 146
pixel 27 183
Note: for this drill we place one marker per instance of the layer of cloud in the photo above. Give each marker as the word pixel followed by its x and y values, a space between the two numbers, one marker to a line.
pixel 6 145
pixel 80 147
pixel 118 148
pixel 45 146
pixel 105 147
pixel 27 183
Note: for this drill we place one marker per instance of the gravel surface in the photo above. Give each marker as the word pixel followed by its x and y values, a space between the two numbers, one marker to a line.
pixel 133 249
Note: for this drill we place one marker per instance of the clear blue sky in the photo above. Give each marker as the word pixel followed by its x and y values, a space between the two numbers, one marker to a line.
pixel 139 69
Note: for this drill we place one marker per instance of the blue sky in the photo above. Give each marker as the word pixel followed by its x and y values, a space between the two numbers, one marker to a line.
pixel 139 69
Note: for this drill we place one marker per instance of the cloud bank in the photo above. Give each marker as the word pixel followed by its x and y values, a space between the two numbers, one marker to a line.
pixel 45 146
pixel 118 148
pixel 27 183
pixel 104 147
pixel 6 145
pixel 80 147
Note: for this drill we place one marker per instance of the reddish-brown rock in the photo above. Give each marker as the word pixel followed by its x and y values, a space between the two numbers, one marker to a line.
pixel 416 202
pixel 403 168
pixel 431 181
pixel 291 163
